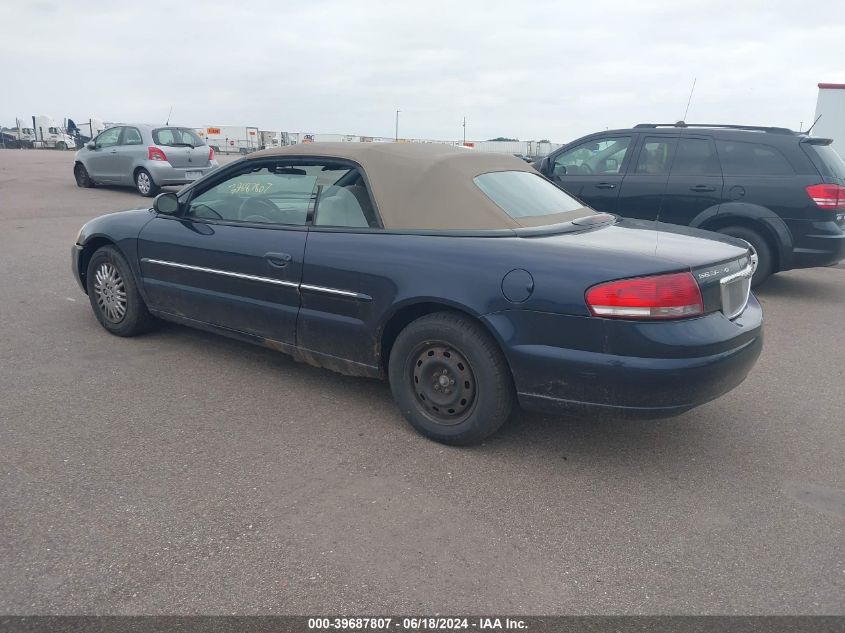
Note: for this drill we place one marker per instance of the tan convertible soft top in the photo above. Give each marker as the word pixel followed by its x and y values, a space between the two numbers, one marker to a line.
pixel 426 186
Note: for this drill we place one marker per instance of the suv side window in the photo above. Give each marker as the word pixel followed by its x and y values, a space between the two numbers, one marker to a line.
pixel 655 155
pixel 752 159
pixel 599 156
pixel 696 157
pixel 108 138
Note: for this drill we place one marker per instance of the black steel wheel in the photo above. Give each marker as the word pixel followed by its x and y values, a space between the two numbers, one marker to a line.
pixel 443 381
pixel 450 379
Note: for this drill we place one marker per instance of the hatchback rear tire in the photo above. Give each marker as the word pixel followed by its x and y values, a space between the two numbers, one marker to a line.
pixel 114 295
pixel 450 379
pixel 145 184
pixel 765 262
pixel 83 179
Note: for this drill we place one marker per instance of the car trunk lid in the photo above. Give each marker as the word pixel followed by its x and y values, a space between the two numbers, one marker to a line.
pixel 721 265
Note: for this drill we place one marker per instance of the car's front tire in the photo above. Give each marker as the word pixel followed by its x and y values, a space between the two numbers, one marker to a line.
pixel 114 295
pixel 83 178
pixel 450 379
pixel 61 145
pixel 765 261
pixel 145 184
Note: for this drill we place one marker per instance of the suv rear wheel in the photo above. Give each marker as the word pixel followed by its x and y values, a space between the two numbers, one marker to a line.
pixel 765 262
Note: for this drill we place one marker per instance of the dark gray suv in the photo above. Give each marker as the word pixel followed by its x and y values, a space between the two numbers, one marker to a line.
pixel 781 191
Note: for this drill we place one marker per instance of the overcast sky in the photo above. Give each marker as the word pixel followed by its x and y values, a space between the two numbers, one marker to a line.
pixel 525 69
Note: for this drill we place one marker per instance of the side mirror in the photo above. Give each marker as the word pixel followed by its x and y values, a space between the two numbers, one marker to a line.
pixel 545 165
pixel 91 145
pixel 166 203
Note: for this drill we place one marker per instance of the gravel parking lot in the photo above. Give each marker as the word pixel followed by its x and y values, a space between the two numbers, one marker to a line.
pixel 182 472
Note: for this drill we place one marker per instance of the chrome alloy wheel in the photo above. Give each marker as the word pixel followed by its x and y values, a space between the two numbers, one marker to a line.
pixel 444 383
pixel 110 292
pixel 144 183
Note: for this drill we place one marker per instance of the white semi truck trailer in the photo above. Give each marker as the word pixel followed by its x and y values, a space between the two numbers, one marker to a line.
pixel 830 113
pixel 231 139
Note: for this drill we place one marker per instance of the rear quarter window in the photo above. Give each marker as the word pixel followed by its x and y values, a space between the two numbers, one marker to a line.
pixel 828 160
pixel 523 194
pixel 752 159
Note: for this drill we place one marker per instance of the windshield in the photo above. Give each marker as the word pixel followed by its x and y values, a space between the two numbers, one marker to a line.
pixel 176 137
pixel 523 194
pixel 831 161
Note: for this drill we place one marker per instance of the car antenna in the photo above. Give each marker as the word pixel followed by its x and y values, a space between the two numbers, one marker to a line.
pixel 689 101
pixel 809 129
pixel 168 116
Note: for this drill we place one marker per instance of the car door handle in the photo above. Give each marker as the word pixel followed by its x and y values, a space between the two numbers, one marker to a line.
pixel 605 185
pixel 279 260
pixel 702 188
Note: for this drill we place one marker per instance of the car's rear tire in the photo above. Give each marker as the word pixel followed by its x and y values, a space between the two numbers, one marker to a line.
pixel 145 184
pixel 114 295
pixel 83 179
pixel 765 261
pixel 450 379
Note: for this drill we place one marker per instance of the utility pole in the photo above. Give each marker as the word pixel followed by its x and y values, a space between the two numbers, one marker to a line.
pixel 397 125
pixel 465 132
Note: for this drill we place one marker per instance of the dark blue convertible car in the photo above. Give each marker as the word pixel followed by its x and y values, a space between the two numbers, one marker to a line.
pixel 467 279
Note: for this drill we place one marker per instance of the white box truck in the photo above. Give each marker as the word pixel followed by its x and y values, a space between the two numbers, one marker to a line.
pixel 231 139
pixel 830 112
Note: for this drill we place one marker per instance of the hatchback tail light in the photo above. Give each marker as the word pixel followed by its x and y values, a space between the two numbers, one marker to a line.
pixel 210 154
pixel 154 153
pixel 672 296
pixel 829 197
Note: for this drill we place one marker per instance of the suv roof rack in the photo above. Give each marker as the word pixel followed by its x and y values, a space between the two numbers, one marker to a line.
pixel 755 128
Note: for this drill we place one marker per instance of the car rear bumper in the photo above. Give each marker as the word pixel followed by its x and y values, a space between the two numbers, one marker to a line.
pixel 164 173
pixel 644 369
pixel 816 243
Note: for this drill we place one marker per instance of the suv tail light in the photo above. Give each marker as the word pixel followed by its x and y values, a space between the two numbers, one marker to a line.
pixel 210 154
pixel 829 197
pixel 672 296
pixel 154 153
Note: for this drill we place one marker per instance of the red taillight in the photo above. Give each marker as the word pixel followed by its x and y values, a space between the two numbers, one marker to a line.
pixel 154 153
pixel 829 197
pixel 673 296
pixel 210 154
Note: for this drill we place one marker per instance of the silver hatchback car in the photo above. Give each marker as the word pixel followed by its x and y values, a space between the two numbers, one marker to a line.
pixel 147 157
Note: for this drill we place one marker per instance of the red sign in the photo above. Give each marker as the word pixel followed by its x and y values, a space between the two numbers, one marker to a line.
pixel 213 130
